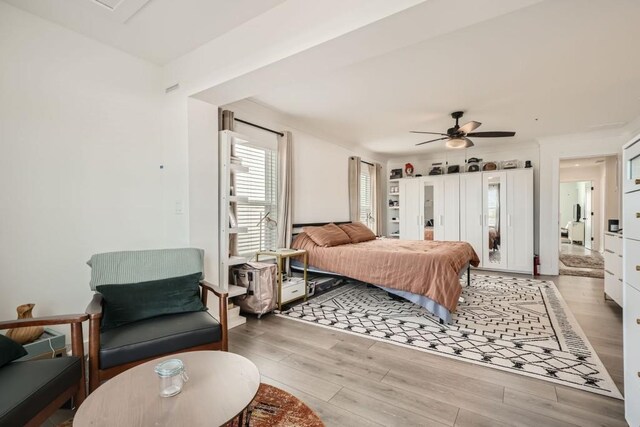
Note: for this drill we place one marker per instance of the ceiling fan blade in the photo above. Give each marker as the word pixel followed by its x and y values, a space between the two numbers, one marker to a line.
pixel 470 127
pixel 491 134
pixel 429 133
pixel 433 140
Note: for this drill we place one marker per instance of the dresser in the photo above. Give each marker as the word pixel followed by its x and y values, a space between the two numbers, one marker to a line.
pixel 631 279
pixel 613 267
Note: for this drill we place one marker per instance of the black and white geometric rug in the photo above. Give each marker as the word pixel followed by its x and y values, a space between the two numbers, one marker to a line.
pixel 517 325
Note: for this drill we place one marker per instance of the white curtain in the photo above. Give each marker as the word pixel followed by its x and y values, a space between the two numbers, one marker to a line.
pixel 285 181
pixel 376 183
pixel 354 188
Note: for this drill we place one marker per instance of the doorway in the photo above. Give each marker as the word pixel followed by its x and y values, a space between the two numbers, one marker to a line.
pixel 582 212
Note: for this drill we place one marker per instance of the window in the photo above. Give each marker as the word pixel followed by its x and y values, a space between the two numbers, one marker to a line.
pixel 260 186
pixel 367 206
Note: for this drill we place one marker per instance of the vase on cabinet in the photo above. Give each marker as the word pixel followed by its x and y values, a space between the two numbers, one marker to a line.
pixel 27 334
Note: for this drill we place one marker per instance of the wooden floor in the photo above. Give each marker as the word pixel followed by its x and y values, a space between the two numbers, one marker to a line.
pixel 353 381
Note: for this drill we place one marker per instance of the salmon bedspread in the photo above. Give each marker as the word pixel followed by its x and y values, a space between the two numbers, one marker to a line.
pixel 429 268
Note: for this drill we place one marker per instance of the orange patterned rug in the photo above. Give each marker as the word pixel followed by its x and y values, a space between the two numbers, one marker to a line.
pixel 272 407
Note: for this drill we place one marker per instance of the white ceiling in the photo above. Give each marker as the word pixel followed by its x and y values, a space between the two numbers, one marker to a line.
pixel 586 162
pixel 156 30
pixel 557 67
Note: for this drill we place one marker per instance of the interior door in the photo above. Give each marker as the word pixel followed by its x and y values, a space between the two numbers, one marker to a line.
pixel 410 212
pixel 471 223
pixel 587 215
pixel 494 197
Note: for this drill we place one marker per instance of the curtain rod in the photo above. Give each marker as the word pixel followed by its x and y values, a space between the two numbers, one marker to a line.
pixel 366 163
pixel 258 126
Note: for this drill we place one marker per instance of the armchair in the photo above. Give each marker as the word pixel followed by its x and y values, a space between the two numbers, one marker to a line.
pixel 117 349
pixel 34 389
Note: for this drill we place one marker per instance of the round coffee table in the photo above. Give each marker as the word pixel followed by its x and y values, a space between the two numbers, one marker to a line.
pixel 221 385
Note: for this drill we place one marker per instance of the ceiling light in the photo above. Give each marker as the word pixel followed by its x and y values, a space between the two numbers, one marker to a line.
pixel 577 164
pixel 459 143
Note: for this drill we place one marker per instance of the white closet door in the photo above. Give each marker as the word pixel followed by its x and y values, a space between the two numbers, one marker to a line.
pixel 451 205
pixel 494 207
pixel 437 183
pixel 410 210
pixel 520 220
pixel 471 211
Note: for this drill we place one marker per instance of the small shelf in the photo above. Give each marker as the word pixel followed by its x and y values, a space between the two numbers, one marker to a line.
pixel 394 194
pixel 238 199
pixel 395 221
pixel 394 235
pixel 236 230
pixel 394 180
pixel 394 207
pixel 235 168
pixel 237 260
pixel 234 291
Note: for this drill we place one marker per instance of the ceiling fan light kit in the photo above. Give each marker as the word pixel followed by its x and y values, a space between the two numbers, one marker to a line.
pixel 457 136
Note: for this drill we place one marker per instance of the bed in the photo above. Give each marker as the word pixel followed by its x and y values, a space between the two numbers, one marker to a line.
pixel 424 272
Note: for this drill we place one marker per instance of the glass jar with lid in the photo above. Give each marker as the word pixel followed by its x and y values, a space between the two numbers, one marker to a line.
pixel 172 377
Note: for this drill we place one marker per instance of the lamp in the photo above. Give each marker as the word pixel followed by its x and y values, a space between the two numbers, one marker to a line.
pixel 271 224
pixel 459 142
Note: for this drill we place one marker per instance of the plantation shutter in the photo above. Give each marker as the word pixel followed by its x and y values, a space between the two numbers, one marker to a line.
pixel 366 196
pixel 258 194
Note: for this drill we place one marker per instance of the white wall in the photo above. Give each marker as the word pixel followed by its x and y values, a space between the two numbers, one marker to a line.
pixel 82 141
pixel 594 175
pixel 568 199
pixel 320 165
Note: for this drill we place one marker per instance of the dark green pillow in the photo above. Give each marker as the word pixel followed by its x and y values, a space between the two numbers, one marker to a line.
pixel 10 350
pixel 137 301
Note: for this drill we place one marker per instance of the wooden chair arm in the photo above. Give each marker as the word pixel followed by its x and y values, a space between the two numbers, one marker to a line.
pixel 94 309
pixel 217 291
pixel 44 321
pixel 222 308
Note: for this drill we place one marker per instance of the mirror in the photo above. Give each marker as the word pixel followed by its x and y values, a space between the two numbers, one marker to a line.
pixel 493 220
pixel 428 215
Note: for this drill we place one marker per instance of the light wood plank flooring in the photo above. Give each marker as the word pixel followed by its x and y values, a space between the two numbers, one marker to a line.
pixel 353 381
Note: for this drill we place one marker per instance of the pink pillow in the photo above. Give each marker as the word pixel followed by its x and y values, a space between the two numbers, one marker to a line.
pixel 358 232
pixel 327 235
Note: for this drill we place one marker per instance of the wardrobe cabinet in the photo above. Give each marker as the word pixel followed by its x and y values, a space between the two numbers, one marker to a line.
pixel 631 280
pixel 493 211
pixel 520 220
pixel 471 217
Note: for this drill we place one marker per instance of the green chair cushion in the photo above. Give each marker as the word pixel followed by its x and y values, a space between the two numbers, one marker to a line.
pixel 130 303
pixel 10 350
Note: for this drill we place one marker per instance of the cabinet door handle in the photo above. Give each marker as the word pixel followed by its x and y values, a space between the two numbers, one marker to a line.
pixel 638 321
pixel 637 214
pixel 637 181
pixel 637 267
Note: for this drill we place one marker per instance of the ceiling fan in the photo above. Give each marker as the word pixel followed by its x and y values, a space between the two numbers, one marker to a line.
pixel 457 136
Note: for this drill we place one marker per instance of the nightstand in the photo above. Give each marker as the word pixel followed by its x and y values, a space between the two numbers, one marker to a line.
pixel 293 289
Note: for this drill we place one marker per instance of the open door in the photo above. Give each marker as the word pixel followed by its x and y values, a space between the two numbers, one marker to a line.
pixel 587 216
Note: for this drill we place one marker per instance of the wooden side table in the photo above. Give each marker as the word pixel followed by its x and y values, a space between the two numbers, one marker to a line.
pixel 294 291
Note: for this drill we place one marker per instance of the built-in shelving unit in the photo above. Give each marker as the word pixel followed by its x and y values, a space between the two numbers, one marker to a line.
pixel 230 166
pixel 393 208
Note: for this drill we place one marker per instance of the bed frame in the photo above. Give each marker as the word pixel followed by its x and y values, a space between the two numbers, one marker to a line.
pixel 320 224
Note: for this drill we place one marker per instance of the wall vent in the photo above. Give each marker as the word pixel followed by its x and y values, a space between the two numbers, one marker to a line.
pixel 172 88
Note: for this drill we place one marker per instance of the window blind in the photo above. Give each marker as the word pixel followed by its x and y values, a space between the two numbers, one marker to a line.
pixel 260 186
pixel 366 196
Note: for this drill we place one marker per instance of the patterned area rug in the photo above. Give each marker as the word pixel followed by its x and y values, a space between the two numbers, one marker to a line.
pixel 272 407
pixel 583 261
pixel 582 265
pixel 521 326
